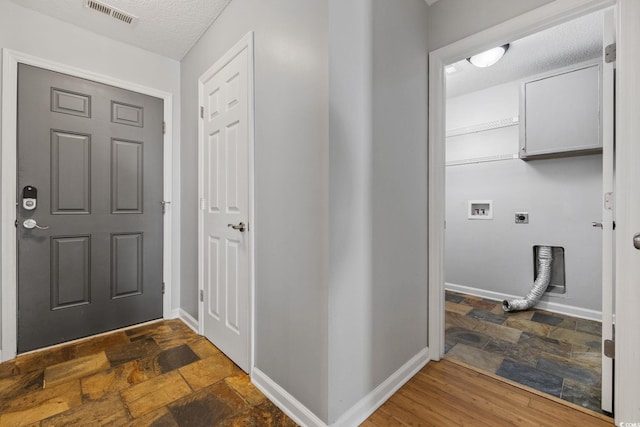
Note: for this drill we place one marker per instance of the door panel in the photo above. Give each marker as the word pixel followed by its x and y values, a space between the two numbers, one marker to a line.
pixel 94 154
pixel 225 191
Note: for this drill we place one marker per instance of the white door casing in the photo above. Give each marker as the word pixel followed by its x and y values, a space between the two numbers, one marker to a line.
pixel 225 246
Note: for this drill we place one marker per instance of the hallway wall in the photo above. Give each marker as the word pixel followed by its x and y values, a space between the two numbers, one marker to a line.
pixel 452 20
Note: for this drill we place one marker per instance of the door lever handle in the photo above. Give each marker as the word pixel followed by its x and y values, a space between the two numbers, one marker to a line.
pixel 240 226
pixel 596 224
pixel 31 223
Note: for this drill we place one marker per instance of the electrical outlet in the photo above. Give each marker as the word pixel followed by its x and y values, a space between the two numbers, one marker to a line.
pixel 522 217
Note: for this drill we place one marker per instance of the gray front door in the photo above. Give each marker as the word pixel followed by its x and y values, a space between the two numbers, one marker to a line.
pixel 93 155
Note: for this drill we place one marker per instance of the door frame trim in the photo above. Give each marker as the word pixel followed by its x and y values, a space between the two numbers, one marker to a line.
pixel 528 23
pixel 246 42
pixel 8 165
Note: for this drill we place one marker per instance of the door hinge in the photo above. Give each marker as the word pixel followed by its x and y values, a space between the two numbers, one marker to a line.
pixel 609 349
pixel 164 127
pixel 16 223
pixel 202 112
pixel 610 53
pixel 162 288
pixel 608 201
pixel 201 295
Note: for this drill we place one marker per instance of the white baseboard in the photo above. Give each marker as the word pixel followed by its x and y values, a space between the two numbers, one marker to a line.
pixel 283 400
pixel 554 307
pixel 357 413
pixel 368 404
pixel 188 319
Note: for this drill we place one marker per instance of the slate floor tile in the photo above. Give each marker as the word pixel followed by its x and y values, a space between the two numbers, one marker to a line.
pixel 145 378
pixel 530 326
pixel 241 384
pixel 203 348
pixel 484 360
pixel 8 369
pixel 158 418
pixel 137 349
pixel 113 380
pixel 41 359
pixel 265 414
pixel 480 303
pixel 206 407
pixel 546 318
pixel 208 371
pixel 175 357
pixel 581 394
pixel 457 308
pixel 452 297
pixel 153 394
pixel 485 315
pixel 569 370
pixel 40 404
pixel 557 353
pixel 99 412
pixel 460 321
pixel 539 344
pixel 532 377
pixel 17 385
pixel 499 331
pixel 472 338
pixel 582 338
pixel 512 351
pixel 589 327
pixel 447 347
pixel 75 368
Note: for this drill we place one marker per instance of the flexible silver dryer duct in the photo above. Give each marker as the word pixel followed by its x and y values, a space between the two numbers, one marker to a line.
pixel 539 286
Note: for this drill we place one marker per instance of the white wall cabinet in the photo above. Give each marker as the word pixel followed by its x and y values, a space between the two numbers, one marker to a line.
pixel 560 113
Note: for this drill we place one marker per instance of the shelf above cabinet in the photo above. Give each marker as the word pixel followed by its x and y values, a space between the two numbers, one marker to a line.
pixel 482 127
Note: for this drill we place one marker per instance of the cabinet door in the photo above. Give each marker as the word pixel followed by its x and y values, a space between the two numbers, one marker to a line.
pixel 562 113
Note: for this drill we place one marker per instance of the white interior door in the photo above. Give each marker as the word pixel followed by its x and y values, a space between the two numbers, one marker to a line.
pixel 225 243
pixel 608 157
pixel 627 205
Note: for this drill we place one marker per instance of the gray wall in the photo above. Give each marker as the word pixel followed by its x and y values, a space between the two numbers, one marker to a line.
pixel 562 196
pixel 452 20
pixel 291 184
pixel 399 199
pixel 378 287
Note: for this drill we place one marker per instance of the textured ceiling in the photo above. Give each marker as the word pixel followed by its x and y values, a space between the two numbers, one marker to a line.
pixel 167 27
pixel 570 43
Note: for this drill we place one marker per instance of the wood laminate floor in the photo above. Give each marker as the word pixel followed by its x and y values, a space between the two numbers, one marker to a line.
pixel 159 374
pixel 447 394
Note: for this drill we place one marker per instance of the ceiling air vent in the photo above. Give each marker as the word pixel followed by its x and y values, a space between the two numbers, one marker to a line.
pixel 111 11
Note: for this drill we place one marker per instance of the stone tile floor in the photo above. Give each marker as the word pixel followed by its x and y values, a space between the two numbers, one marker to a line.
pixel 553 353
pixel 159 374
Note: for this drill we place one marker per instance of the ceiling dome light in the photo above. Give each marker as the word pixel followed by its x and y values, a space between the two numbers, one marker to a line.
pixel 489 57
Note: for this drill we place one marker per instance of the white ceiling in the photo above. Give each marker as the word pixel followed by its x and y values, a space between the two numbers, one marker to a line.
pixel 167 27
pixel 567 44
